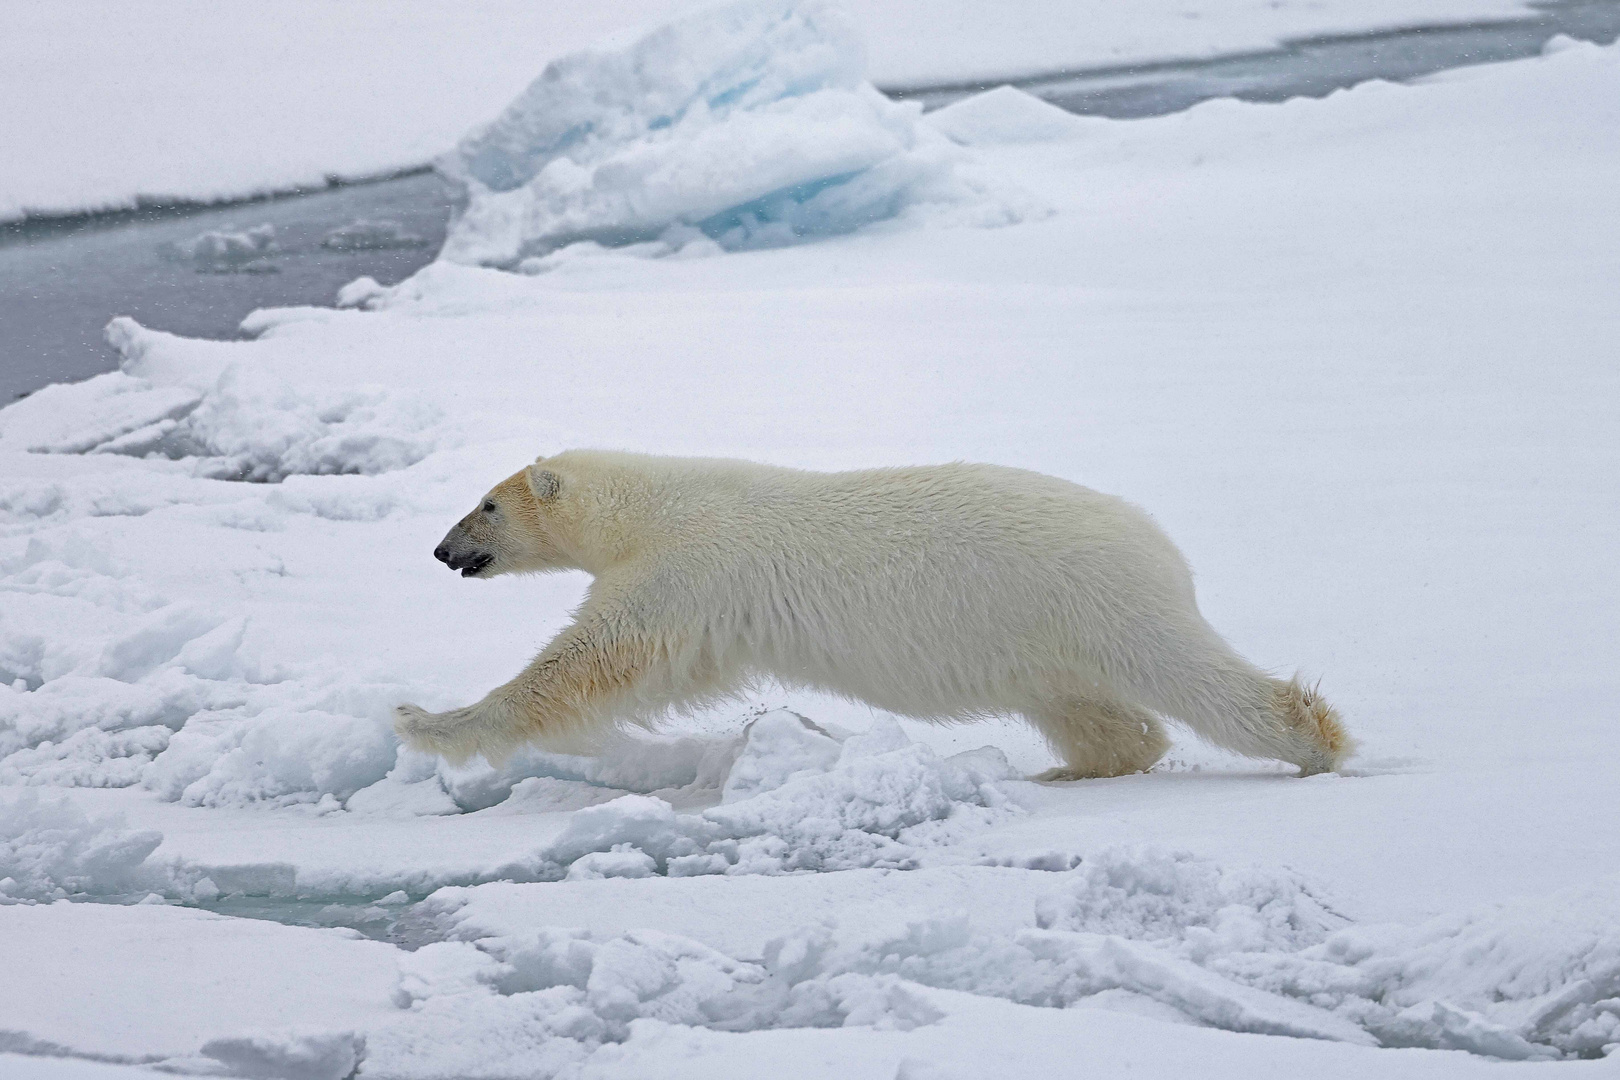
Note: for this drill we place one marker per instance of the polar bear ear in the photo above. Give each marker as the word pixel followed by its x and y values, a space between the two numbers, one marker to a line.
pixel 543 482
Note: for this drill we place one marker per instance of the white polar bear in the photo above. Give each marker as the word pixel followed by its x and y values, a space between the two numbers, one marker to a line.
pixel 946 592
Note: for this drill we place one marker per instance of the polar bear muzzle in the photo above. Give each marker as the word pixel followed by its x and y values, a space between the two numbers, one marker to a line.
pixel 459 551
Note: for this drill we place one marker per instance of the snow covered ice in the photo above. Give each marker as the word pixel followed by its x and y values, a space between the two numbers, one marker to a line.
pixel 1354 353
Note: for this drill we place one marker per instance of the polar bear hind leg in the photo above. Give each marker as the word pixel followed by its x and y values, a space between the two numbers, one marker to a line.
pixel 1099 737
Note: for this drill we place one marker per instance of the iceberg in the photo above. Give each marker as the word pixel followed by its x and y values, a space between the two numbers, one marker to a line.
pixel 751 124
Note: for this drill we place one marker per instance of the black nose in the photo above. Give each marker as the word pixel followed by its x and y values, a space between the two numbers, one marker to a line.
pixel 442 553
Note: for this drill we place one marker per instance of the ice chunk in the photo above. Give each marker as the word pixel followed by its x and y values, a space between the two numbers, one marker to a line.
pixel 1005 115
pixel 50 850
pixel 622 861
pixel 226 251
pixel 367 235
pixel 640 821
pixel 282 755
pixel 294 1055
pixel 780 745
pixel 750 122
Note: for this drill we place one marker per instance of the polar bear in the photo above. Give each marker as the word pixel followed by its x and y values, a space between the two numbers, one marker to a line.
pixel 945 592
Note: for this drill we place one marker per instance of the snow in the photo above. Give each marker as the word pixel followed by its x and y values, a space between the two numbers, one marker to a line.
pixel 1005 115
pixel 146 983
pixel 109 103
pixel 30 1067
pixel 50 849
pixel 1353 353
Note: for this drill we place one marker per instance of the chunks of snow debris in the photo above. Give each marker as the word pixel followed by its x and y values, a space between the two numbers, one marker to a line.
pixel 1005 115
pixel 226 251
pixel 802 800
pixel 559 994
pixel 1151 895
pixel 750 122
pixel 321 1055
pixel 280 755
pixel 75 418
pixel 233 421
pixel 50 850
pixel 1141 931
pixel 1532 979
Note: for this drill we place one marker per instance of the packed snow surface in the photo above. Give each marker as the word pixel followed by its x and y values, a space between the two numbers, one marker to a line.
pixel 109 102
pixel 1355 354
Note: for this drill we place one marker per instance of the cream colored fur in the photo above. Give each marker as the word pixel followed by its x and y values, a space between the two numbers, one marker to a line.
pixel 944 592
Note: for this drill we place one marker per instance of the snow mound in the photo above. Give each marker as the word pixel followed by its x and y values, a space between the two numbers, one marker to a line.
pixel 164 695
pixel 50 850
pixel 795 798
pixel 539 1003
pixel 1535 979
pixel 750 122
pixel 233 421
pixel 1005 115
pixel 1146 894
pixel 282 755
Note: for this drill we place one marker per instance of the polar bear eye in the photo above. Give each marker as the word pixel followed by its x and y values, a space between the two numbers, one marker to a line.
pixel 489 507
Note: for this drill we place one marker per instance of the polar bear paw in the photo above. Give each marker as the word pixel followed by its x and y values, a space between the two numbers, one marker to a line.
pixel 419 729
pixel 458 734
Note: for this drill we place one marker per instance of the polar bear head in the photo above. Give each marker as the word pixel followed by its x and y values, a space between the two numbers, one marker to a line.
pixel 519 527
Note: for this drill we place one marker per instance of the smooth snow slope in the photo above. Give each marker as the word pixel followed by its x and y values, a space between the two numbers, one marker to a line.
pixel 1355 354
pixel 106 102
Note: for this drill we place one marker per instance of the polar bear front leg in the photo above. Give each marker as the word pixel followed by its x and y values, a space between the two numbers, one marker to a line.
pixel 563 699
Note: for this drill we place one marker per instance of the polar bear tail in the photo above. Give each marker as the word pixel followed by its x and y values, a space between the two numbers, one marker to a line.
pixel 1227 700
pixel 1305 713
